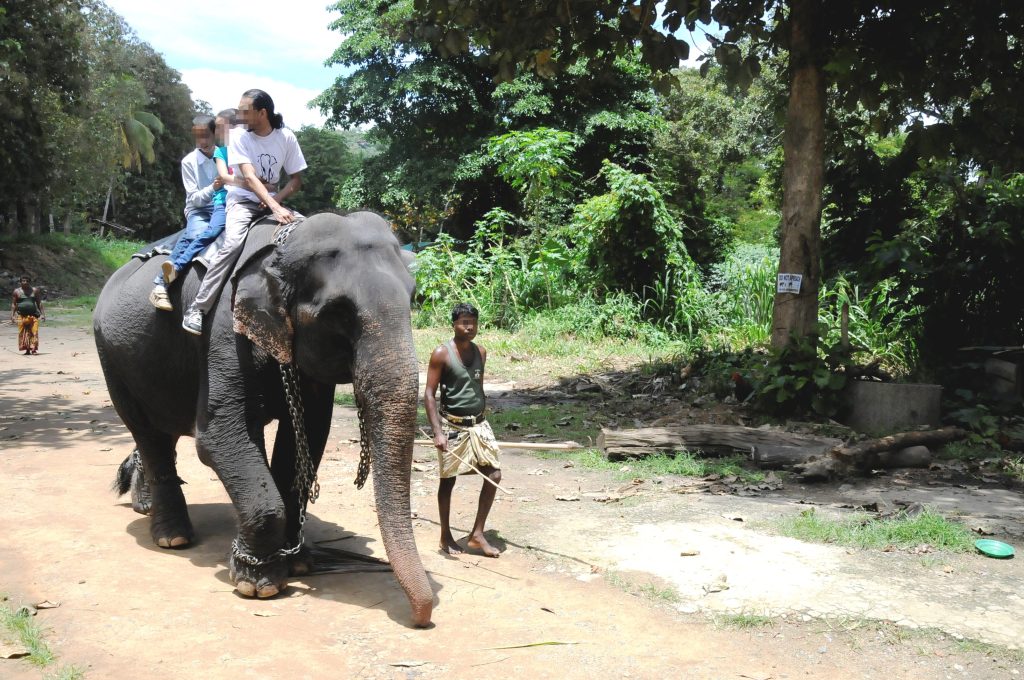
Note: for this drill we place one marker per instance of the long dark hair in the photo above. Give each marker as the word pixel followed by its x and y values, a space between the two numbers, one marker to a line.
pixel 262 100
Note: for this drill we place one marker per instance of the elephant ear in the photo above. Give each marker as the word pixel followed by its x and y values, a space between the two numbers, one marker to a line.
pixel 260 307
pixel 409 260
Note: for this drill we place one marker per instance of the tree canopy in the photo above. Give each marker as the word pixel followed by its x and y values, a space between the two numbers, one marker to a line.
pixel 90 112
pixel 961 67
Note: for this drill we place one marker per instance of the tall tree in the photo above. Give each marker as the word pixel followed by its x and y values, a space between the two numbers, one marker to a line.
pixel 42 69
pixel 153 199
pixel 431 115
pixel 331 163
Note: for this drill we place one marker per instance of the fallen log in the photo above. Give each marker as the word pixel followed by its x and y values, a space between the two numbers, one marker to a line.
pixel 536 446
pixel 769 448
pixel 864 455
pixel 859 452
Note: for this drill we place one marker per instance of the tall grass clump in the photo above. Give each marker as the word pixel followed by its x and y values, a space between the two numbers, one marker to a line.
pixel 744 285
pixel 507 280
pixel 880 323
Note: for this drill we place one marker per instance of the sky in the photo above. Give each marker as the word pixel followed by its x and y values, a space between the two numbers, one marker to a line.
pixel 279 47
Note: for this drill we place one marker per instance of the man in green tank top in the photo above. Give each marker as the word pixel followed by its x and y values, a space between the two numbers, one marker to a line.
pixel 462 435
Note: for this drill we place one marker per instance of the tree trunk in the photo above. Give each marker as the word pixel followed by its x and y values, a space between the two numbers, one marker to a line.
pixel 795 314
pixel 67 222
pixel 106 205
pixel 35 216
pixel 11 218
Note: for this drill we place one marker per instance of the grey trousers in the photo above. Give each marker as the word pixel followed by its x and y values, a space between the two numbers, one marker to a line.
pixel 239 216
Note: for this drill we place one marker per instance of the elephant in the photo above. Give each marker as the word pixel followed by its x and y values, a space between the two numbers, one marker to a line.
pixel 328 300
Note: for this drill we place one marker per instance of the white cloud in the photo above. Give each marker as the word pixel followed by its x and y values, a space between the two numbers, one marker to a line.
pixel 223 89
pixel 259 36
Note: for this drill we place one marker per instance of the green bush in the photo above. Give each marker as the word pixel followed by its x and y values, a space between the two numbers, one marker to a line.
pixel 881 326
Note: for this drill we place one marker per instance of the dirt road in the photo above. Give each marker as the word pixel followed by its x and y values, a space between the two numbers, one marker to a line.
pixel 129 609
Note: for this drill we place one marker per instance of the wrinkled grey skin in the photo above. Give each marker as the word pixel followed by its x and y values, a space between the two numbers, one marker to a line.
pixel 335 297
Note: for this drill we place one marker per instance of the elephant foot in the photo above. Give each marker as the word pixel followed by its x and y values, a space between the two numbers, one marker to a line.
pixel 170 526
pixel 262 581
pixel 176 542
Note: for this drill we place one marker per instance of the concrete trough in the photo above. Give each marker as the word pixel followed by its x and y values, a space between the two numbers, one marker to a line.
pixel 882 408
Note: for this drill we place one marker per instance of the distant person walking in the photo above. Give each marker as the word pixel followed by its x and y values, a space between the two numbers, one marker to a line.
pixel 27 312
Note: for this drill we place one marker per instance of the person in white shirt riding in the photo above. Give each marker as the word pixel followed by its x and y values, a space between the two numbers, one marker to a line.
pixel 258 155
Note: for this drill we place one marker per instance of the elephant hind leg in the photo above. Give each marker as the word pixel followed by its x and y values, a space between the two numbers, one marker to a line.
pixel 170 526
pixel 131 477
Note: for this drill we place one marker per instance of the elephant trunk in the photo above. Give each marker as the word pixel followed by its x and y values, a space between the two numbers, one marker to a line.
pixel 385 382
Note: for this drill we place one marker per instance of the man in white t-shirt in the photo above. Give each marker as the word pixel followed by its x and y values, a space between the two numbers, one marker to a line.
pixel 259 154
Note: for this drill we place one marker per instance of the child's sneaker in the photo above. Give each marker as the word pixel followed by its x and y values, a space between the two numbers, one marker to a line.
pixel 158 298
pixel 170 273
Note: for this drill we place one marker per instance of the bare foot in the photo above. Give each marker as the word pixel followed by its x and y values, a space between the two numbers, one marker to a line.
pixel 478 542
pixel 449 546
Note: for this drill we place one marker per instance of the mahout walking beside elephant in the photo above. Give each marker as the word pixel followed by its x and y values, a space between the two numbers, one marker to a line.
pixel 328 299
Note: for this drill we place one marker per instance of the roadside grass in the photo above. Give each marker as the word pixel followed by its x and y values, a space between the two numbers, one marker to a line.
pixel 868 533
pixel 1014 467
pixel 560 421
pixel 930 641
pixel 346 398
pixel 682 464
pixel 112 252
pixel 965 450
pixel 524 357
pixel 742 621
pixel 974 646
pixel 578 423
pixel 648 590
pixel 18 625
pixel 69 263
pixel 76 311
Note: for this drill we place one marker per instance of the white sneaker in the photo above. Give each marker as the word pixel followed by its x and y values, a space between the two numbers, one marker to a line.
pixel 170 273
pixel 193 321
pixel 158 298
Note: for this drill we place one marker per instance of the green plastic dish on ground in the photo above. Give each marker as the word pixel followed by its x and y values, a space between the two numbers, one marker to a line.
pixel 994 548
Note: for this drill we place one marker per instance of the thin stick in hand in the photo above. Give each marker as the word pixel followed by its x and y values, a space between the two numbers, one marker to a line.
pixel 474 469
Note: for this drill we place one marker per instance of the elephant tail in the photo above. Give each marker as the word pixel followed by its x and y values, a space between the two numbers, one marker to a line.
pixel 123 481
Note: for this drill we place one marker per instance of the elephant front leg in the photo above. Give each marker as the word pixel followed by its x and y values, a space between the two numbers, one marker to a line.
pixel 258 563
pixel 317 405
pixel 234 446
